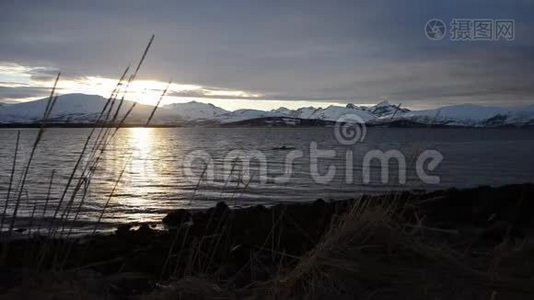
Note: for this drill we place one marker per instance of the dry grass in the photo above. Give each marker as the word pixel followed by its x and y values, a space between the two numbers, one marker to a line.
pixel 190 288
pixel 369 254
pixel 83 286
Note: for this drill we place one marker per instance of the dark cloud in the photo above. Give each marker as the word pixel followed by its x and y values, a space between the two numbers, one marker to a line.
pixel 310 50
pixel 10 94
pixel 204 93
pixel 43 74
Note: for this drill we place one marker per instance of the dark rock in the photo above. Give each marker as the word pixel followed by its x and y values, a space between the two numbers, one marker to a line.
pixel 145 230
pixel 319 202
pixel 502 230
pixel 221 208
pixel 176 218
pixel 123 229
pixel 125 284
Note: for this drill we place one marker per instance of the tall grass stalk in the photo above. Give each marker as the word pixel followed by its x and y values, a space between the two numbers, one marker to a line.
pixel 222 227
pixel 128 82
pixel 134 74
pixel 104 141
pixel 99 150
pixel 92 165
pixel 47 200
pixel 108 107
pixel 85 183
pixel 157 104
pixel 94 146
pixel 111 194
pixel 11 178
pixel 50 105
pixel 130 79
pixel 177 234
pixel 88 169
pixel 32 216
pixel 82 153
pixel 59 262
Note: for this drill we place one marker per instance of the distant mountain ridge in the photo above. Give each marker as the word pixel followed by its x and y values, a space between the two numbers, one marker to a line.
pixel 85 109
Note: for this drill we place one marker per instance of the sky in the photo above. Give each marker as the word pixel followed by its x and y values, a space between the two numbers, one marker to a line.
pixel 267 54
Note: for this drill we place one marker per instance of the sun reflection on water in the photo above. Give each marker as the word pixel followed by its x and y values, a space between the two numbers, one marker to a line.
pixel 141 141
pixel 141 169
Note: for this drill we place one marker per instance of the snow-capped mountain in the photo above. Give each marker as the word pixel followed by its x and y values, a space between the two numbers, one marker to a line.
pixel 387 109
pixel 333 113
pixel 247 114
pixel 304 112
pixel 282 111
pixel 194 111
pixel 72 108
pixel 80 108
pixel 67 106
pixel 469 115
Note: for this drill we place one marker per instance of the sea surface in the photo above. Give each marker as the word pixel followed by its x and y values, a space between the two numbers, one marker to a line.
pixel 143 173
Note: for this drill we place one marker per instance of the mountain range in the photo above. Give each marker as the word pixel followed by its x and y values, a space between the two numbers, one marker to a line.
pixel 85 109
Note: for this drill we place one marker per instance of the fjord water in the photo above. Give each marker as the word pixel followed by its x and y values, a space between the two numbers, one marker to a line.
pixel 155 181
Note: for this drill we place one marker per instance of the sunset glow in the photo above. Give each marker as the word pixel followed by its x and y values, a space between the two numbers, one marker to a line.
pixel 143 91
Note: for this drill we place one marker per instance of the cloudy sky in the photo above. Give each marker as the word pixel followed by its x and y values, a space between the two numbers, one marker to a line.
pixel 266 54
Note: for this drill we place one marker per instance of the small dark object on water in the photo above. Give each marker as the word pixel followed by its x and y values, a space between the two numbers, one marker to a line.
pixel 284 147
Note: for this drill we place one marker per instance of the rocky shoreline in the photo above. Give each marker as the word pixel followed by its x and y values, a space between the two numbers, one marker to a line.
pixel 406 244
